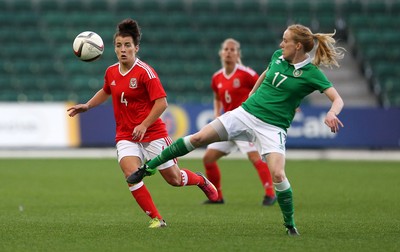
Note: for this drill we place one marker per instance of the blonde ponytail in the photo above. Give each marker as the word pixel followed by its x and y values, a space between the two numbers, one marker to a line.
pixel 326 53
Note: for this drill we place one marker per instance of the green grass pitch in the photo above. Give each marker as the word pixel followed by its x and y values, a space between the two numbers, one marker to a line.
pixel 85 205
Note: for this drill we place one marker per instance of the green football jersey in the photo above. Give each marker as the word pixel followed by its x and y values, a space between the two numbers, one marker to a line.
pixel 284 87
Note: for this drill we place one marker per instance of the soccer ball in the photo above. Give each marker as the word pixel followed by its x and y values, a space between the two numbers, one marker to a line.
pixel 88 46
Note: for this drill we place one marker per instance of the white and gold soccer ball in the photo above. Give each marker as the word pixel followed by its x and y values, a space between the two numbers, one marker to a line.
pixel 88 46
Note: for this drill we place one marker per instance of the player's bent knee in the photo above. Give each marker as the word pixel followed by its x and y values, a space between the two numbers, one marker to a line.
pixel 277 178
pixel 208 159
pixel 174 181
pixel 197 140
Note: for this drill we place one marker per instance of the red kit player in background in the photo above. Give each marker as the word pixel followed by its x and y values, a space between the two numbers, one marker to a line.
pixel 139 99
pixel 232 85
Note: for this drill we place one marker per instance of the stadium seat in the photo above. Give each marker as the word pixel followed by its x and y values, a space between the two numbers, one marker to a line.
pixel 349 8
pixel 382 69
pixel 277 8
pixel 124 5
pixel 179 20
pixel 225 6
pixel 197 7
pixel 250 7
pixel 357 22
pixel 18 5
pixel 99 5
pixel 391 84
pixel 394 8
pixel 73 6
pixel 46 6
pixel 179 37
pixel 385 21
pixel 376 8
pixel 7 95
pixel 300 7
pixel 35 96
pixel 174 6
pixel 304 19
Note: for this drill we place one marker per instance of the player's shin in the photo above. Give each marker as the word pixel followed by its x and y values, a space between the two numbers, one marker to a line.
pixel 285 200
pixel 144 200
pixel 180 147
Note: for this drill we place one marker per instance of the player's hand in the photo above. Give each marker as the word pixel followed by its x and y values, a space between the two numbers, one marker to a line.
pixel 333 122
pixel 76 109
pixel 138 133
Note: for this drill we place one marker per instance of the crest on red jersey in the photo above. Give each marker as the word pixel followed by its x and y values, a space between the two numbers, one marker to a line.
pixel 236 83
pixel 133 83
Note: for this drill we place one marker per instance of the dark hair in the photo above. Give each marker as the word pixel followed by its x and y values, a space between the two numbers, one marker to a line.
pixel 129 28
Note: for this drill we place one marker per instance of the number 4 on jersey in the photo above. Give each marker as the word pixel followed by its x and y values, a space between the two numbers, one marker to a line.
pixel 123 100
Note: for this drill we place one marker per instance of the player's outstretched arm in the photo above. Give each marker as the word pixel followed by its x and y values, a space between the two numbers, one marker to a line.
pixel 100 97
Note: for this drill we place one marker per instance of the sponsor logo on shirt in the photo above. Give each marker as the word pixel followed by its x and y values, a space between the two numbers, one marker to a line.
pixel 278 61
pixel 113 83
pixel 133 83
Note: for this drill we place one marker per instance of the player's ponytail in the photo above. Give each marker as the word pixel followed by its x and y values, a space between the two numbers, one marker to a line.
pixel 326 53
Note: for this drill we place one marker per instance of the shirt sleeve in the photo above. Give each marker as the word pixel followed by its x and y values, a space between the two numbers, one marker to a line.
pixel 320 81
pixel 155 88
pixel 213 85
pixel 106 85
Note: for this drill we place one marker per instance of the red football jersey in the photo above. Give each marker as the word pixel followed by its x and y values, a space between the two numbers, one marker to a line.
pixel 133 95
pixel 234 89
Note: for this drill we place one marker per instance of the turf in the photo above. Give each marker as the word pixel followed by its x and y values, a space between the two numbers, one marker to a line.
pixel 84 205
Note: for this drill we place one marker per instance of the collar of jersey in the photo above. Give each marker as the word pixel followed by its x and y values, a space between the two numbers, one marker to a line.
pixel 230 75
pixel 300 64
pixel 119 67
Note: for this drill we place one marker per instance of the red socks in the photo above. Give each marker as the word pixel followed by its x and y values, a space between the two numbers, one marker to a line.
pixel 190 178
pixel 144 200
pixel 214 175
pixel 265 177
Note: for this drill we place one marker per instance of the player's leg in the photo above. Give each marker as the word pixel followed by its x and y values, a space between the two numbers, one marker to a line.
pixel 276 164
pixel 210 133
pixel 177 177
pixel 271 142
pixel 263 172
pixel 214 152
pixel 265 177
pixel 139 191
pixel 129 161
pixel 171 172
pixel 215 131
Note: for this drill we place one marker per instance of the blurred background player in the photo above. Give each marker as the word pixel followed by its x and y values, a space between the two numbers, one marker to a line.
pixel 268 112
pixel 232 85
pixel 139 99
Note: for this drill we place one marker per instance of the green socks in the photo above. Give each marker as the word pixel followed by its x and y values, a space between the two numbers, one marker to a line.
pixel 285 200
pixel 180 147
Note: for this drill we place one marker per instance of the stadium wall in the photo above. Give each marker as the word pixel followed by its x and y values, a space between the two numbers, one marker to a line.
pixel 48 125
pixel 37 125
pixel 370 128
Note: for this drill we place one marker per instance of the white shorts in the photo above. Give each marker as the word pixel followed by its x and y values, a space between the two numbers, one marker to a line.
pixel 232 146
pixel 242 125
pixel 145 151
